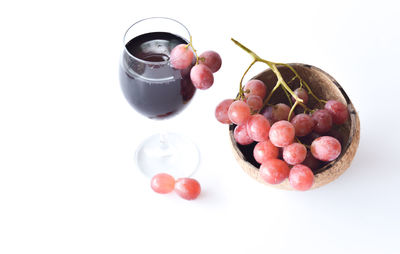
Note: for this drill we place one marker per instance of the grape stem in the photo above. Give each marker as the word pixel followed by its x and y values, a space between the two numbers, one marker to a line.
pixel 190 44
pixel 241 88
pixel 280 81
pixel 288 96
pixel 291 110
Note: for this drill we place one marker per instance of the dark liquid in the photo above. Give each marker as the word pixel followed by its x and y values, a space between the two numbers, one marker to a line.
pixel 154 88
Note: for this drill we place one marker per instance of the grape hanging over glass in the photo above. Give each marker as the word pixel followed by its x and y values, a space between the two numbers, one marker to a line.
pixel 158 91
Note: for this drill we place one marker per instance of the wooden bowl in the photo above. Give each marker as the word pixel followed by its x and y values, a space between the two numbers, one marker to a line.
pixel 324 87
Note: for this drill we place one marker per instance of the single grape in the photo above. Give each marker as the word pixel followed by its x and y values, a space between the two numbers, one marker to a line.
pixel 301 177
pixel 239 112
pixel 181 57
pixel 256 87
pixel 162 183
pixel 276 112
pixel 255 102
pixel 264 151
pixel 323 121
pixel 311 162
pixel 326 148
pixel 241 136
pixel 338 110
pixel 187 188
pixel 258 127
pixel 212 59
pixel 295 153
pixel 201 76
pixel 282 133
pixel 221 111
pixel 303 124
pixel 274 171
pixel 302 94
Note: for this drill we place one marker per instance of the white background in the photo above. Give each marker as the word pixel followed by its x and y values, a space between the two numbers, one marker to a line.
pixel 67 135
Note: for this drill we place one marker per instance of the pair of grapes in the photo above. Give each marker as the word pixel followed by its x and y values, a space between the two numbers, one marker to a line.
pixel 186 188
pixel 276 135
pixel 202 77
pixel 201 74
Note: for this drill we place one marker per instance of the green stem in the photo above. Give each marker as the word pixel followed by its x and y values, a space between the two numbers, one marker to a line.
pixel 291 110
pixel 271 93
pixel 288 96
pixel 280 80
pixel 255 57
pixel 241 91
pixel 194 50
pixel 290 81
pixel 306 109
pixel 302 82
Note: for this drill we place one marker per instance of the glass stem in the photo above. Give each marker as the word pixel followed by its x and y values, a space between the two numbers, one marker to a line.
pixel 166 149
pixel 163 141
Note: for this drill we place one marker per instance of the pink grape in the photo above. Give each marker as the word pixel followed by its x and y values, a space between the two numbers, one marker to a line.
pixel 181 57
pixel 302 94
pixel 221 111
pixel 274 171
pixel 201 76
pixel 326 148
pixel 323 121
pixel 187 188
pixel 276 112
pixel 301 177
pixel 311 162
pixel 241 136
pixel 338 110
pixel 212 59
pixel 256 87
pixel 303 124
pixel 295 153
pixel 282 133
pixel 264 151
pixel 258 127
pixel 255 102
pixel 239 112
pixel 162 183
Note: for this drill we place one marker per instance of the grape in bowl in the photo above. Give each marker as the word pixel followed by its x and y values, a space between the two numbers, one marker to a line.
pixel 326 88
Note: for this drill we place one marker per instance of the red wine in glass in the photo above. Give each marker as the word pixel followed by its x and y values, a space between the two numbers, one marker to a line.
pixel 152 86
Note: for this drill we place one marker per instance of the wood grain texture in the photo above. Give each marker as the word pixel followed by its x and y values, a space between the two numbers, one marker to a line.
pixel 325 87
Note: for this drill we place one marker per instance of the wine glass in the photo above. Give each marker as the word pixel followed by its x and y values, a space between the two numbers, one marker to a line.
pixel 158 91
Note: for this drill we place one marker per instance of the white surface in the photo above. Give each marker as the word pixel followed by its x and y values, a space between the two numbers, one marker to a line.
pixel 67 135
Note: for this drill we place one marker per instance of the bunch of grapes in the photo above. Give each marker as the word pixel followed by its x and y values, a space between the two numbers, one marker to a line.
pixel 186 188
pixel 287 145
pixel 207 63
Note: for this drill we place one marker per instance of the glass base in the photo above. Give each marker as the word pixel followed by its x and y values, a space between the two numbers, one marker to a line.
pixel 167 153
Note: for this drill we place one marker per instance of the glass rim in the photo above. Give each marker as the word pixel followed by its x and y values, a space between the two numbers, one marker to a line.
pixel 141 20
